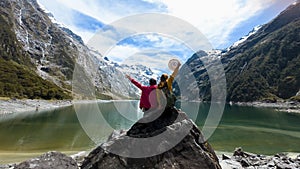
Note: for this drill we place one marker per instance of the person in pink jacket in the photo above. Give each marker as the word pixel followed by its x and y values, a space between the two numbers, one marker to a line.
pixel 146 101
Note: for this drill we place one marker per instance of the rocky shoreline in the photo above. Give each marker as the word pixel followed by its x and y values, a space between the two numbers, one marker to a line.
pixel 24 105
pixel 8 106
pixel 238 160
pixel 241 159
pixel 288 106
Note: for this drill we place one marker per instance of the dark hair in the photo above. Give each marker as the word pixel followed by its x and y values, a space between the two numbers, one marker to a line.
pixel 163 77
pixel 163 81
pixel 152 82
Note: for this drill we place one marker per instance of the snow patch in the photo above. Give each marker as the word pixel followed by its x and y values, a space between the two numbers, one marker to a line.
pixel 243 39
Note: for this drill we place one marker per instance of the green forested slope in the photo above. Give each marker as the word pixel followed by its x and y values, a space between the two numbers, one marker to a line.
pixel 17 76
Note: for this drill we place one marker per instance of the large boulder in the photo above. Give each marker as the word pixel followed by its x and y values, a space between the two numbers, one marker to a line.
pixel 170 141
pixel 49 160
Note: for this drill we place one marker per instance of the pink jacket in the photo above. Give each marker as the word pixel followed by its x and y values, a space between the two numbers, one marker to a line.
pixel 145 97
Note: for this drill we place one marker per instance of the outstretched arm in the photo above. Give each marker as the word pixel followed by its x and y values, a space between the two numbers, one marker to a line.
pixel 128 77
pixel 136 83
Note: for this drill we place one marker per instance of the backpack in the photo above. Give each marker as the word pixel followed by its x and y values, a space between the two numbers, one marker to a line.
pixel 169 96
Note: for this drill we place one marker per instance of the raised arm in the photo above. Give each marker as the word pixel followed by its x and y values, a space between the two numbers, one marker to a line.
pixel 136 83
pixel 175 72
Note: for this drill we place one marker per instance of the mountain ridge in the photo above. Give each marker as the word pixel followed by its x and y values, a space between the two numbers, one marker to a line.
pixel 264 67
pixel 268 58
pixel 52 52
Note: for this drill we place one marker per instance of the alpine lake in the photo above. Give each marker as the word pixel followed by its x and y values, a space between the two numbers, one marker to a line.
pixel 29 134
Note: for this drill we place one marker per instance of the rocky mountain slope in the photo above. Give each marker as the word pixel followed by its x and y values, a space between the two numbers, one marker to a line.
pixel 199 87
pixel 267 64
pixel 18 78
pixel 50 53
pixel 264 67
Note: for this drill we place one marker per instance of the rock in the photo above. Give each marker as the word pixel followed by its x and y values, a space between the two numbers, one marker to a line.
pixel 79 157
pixel 49 160
pixel 229 164
pixel 225 157
pixel 241 159
pixel 238 152
pixel 245 163
pixel 271 164
pixel 137 149
pixel 280 155
pixel 283 166
pixel 7 166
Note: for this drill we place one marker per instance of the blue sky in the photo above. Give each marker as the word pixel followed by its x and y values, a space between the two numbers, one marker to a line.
pixel 221 22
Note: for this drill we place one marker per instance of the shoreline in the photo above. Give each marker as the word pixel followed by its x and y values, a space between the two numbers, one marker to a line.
pixel 288 106
pixel 241 159
pixel 8 106
pixel 25 105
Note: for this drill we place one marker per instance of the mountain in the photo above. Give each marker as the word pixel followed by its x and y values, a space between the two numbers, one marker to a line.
pixel 18 79
pixel 199 87
pixel 49 53
pixel 263 67
pixel 267 65
pixel 139 72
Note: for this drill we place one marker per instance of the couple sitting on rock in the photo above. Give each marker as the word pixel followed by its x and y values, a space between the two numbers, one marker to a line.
pixel 154 99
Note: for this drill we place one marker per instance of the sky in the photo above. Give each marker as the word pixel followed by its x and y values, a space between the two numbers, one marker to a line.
pixel 221 22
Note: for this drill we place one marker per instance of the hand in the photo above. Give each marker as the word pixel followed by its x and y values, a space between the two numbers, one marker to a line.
pixel 179 64
pixel 128 77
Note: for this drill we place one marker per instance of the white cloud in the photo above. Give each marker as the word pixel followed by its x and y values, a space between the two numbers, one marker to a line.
pixel 122 52
pixel 156 60
pixel 109 11
pixel 214 18
pixel 217 19
pixel 92 8
pixel 160 49
pixel 62 13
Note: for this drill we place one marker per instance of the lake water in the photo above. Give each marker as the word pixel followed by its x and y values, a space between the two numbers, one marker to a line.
pixel 29 134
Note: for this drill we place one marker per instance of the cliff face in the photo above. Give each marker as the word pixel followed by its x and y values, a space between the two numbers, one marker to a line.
pixel 18 76
pixel 264 67
pixel 47 45
pixel 52 51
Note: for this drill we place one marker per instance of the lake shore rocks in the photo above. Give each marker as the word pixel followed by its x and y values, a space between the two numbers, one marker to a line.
pixel 284 106
pixel 25 105
pixel 49 160
pixel 241 159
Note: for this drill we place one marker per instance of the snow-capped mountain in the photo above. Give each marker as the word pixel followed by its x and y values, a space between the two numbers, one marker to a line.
pixel 262 66
pixel 139 72
pixel 55 51
pixel 244 38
